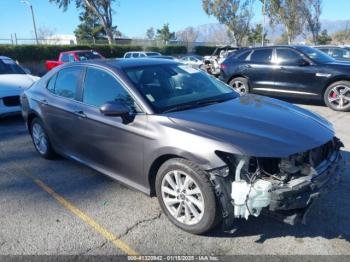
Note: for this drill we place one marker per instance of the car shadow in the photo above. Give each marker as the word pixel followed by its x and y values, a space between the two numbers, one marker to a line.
pixel 328 218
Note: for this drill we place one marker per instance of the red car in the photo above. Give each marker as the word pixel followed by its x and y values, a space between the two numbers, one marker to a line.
pixel 71 56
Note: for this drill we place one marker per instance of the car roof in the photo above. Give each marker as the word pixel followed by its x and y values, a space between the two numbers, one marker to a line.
pixel 77 51
pixel 127 63
pixel 4 57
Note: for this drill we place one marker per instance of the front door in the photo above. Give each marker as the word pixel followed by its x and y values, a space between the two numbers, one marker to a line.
pixel 295 75
pixel 111 144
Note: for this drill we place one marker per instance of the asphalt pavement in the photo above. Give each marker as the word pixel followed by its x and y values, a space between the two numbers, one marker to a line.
pixel 60 207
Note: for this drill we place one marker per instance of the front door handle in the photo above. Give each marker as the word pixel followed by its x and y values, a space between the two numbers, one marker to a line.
pixel 80 114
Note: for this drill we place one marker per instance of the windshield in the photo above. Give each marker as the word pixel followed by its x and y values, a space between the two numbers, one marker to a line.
pixel 8 66
pixel 89 55
pixel 316 55
pixel 176 87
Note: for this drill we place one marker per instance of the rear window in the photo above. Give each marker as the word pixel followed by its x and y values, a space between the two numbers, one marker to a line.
pixel 261 56
pixel 88 55
pixel 243 56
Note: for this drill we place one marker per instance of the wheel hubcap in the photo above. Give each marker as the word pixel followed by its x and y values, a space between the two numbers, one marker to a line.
pixel 240 87
pixel 182 197
pixel 39 138
pixel 339 97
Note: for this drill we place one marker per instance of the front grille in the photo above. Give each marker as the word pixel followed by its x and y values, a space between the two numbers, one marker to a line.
pixel 11 101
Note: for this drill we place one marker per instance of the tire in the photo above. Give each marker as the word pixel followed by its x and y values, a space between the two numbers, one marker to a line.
pixel 240 85
pixel 337 96
pixel 41 140
pixel 202 213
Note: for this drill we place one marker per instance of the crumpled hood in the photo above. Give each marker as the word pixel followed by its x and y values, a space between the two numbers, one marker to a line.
pixel 258 126
pixel 15 83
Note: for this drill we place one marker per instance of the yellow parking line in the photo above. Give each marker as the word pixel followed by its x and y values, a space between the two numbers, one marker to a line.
pixel 100 229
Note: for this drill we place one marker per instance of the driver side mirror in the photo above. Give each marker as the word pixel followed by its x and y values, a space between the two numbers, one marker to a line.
pixel 114 108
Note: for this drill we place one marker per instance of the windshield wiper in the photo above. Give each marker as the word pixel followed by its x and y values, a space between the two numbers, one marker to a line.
pixel 212 101
pixel 180 108
pixel 197 104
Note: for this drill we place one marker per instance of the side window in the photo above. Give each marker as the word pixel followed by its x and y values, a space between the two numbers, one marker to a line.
pixel 287 56
pixel 261 56
pixel 128 55
pixel 135 55
pixel 243 56
pixel 101 87
pixel 51 84
pixel 71 58
pixel 142 55
pixel 67 82
pixel 65 58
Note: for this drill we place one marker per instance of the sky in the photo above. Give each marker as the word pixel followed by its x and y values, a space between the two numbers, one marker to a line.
pixel 133 17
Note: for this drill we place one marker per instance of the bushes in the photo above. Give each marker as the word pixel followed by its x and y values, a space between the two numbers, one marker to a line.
pixel 27 53
pixel 204 50
pixel 168 50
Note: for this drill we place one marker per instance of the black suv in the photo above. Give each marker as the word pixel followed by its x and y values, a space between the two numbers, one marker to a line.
pixel 289 71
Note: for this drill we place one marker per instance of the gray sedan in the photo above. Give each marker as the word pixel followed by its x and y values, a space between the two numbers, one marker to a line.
pixel 171 131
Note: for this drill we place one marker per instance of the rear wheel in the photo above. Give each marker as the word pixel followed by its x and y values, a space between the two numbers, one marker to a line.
pixel 41 140
pixel 240 85
pixel 186 196
pixel 337 96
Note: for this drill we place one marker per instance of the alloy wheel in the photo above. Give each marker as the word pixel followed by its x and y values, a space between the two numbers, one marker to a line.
pixel 240 87
pixel 39 138
pixel 339 97
pixel 182 197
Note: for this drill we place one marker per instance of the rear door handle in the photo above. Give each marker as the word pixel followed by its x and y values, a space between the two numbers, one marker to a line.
pixel 80 114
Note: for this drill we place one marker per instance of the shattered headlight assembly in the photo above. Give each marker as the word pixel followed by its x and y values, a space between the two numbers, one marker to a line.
pixel 249 193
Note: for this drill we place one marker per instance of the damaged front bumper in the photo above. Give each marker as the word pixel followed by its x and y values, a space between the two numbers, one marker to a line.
pixel 289 202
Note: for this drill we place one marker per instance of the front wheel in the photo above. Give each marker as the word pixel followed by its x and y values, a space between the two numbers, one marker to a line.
pixel 337 96
pixel 186 196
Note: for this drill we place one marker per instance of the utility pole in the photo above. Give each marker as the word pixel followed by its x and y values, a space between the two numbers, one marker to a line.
pixel 33 18
pixel 263 25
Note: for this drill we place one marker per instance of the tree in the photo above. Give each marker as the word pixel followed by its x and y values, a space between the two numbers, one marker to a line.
pixel 101 8
pixel 45 34
pixel 342 37
pixel 235 14
pixel 150 33
pixel 164 34
pixel 286 12
pixel 90 28
pixel 255 35
pixel 187 36
pixel 324 38
pixel 311 10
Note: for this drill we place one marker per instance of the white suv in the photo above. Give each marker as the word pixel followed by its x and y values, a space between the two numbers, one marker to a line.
pixel 140 54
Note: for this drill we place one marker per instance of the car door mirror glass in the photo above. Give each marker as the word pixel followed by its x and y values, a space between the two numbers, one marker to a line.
pixel 114 108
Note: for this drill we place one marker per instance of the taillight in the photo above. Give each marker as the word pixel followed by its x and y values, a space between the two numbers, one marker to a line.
pixel 223 66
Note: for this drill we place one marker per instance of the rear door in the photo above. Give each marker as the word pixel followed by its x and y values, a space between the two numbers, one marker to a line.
pixel 260 70
pixel 293 77
pixel 60 108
